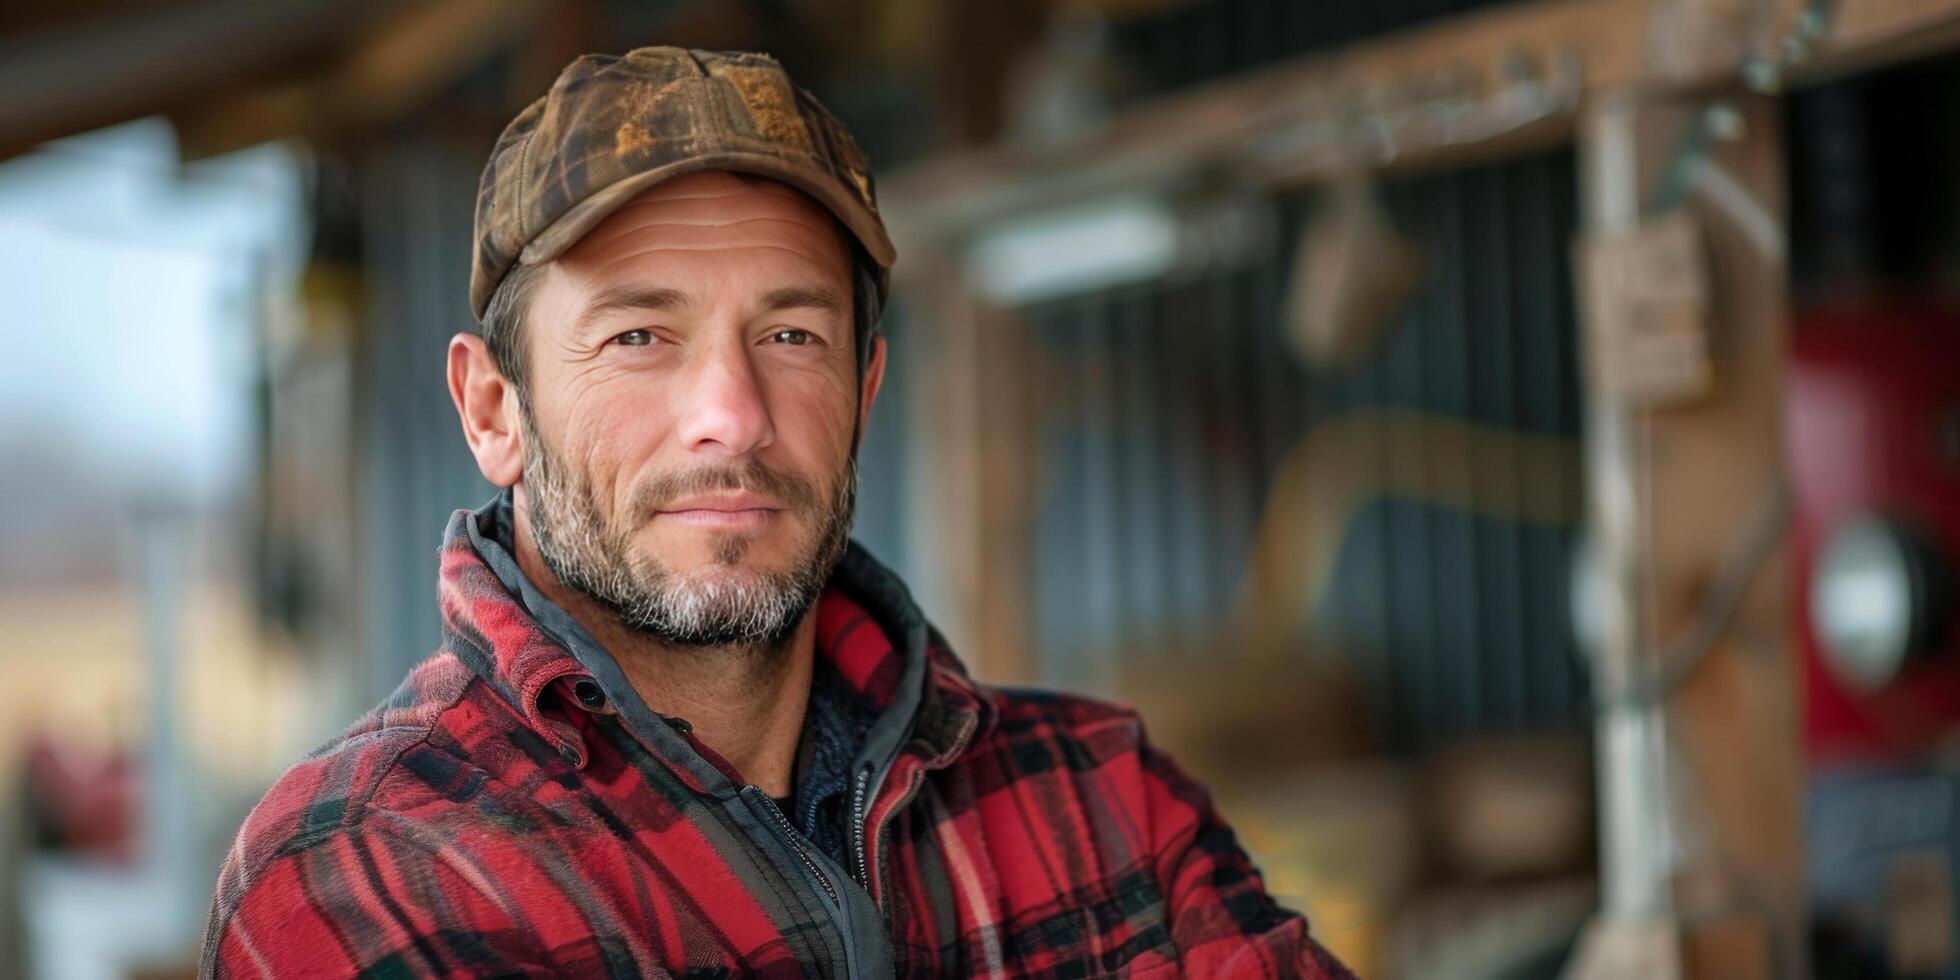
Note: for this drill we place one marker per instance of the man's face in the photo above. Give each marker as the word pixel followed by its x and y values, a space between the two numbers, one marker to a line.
pixel 693 401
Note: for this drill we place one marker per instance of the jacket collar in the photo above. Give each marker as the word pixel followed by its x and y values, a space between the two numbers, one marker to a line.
pixel 526 648
pixel 951 709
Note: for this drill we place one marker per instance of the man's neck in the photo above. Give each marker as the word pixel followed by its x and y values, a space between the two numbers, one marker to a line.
pixel 747 705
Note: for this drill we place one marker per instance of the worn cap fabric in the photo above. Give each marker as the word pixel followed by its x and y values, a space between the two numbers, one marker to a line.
pixel 613 126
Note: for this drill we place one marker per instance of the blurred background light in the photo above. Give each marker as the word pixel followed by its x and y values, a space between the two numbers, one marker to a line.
pixel 1079 249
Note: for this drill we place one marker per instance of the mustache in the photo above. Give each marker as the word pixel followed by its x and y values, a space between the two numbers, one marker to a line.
pixel 751 476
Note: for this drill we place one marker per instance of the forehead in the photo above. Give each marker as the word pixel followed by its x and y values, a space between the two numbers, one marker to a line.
pixel 714 218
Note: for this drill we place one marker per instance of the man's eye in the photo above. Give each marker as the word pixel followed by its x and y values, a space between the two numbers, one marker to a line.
pixel 793 337
pixel 634 338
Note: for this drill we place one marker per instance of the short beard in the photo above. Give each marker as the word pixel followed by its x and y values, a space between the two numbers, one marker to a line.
pixel 590 551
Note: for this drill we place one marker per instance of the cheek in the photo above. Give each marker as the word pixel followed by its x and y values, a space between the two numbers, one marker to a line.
pixel 613 435
pixel 814 415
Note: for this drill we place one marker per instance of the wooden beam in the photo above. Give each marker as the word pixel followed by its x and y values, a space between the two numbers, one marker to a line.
pixel 1858 28
pixel 71 80
pixel 1493 83
pixel 1486 65
pixel 1865 34
pixel 398 67
pixel 23 16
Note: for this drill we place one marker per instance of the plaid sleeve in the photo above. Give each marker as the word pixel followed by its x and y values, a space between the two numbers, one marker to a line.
pixel 1222 921
pixel 370 903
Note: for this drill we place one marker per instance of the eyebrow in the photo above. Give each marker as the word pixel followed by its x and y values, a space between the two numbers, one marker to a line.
pixel 633 298
pixel 665 299
pixel 803 297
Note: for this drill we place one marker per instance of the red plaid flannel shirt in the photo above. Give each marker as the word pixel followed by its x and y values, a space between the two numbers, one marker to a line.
pixel 484 822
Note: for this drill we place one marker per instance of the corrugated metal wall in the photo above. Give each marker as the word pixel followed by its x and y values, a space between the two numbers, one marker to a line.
pixel 417 201
pixel 1183 401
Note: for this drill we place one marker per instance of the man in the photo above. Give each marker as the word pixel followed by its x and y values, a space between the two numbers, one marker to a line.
pixel 679 724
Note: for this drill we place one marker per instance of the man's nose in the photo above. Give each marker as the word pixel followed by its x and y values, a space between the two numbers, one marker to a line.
pixel 724 411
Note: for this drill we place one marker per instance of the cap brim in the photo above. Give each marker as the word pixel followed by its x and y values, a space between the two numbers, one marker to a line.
pixel 831 193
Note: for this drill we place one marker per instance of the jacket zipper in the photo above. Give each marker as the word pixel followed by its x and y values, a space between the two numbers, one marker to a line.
pixel 795 844
pixel 860 803
pixel 904 800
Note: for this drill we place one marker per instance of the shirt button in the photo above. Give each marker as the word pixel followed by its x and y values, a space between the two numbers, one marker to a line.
pixel 588 693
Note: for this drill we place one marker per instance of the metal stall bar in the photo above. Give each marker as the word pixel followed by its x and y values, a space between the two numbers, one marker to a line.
pixel 1698 748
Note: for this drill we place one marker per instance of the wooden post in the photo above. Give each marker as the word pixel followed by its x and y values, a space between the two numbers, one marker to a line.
pixel 1700 764
pixel 970 470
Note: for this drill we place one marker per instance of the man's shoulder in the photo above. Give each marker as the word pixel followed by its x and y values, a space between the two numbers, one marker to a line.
pixel 389 809
pixel 1076 731
pixel 395 764
pixel 1025 707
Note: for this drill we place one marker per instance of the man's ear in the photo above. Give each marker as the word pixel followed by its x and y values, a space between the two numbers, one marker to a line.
pixel 487 404
pixel 873 377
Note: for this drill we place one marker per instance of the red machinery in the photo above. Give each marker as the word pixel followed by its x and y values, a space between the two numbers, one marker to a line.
pixel 1873 421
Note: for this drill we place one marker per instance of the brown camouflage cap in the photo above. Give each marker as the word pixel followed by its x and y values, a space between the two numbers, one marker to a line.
pixel 613 126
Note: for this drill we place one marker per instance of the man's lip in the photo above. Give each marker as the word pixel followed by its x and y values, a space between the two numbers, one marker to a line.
pixel 728 520
pixel 726 502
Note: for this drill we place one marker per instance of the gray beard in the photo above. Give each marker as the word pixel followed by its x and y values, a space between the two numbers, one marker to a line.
pixel 590 551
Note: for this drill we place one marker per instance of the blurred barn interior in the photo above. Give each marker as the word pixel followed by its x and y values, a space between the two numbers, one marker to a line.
pixel 1511 451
